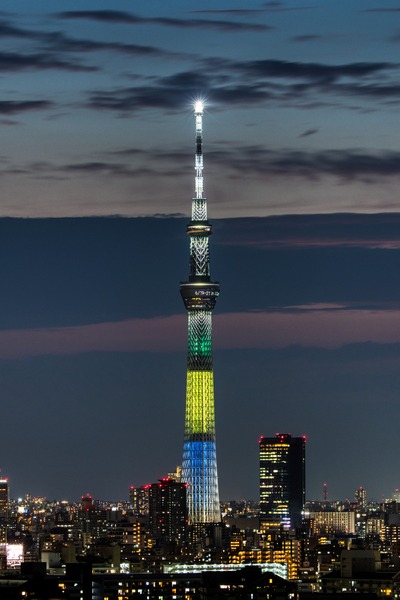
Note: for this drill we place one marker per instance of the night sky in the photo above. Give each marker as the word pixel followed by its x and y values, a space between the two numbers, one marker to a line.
pixel 302 166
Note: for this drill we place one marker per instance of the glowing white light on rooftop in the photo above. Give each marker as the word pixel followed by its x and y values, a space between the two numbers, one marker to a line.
pixel 198 106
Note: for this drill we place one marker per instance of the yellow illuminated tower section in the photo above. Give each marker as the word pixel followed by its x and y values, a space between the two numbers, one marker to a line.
pixel 199 293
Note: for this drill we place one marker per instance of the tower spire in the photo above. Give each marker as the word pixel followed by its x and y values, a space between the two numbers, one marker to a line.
pixel 199 294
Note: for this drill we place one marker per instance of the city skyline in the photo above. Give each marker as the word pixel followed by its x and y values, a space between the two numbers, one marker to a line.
pixel 302 158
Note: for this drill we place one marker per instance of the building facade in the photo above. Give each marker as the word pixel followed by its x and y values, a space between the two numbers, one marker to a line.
pixel 168 511
pixel 282 481
pixel 329 522
pixel 4 510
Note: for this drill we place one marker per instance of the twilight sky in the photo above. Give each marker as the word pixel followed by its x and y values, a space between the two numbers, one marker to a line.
pixel 302 167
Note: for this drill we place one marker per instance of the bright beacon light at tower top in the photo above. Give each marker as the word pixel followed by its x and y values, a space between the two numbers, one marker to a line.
pixel 198 106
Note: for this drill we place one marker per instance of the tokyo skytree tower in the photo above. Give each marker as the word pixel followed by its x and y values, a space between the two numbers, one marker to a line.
pixel 199 293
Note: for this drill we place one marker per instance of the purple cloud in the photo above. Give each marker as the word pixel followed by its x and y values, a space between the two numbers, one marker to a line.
pixel 323 326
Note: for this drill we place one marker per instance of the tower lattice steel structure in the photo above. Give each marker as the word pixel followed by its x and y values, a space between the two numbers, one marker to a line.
pixel 199 293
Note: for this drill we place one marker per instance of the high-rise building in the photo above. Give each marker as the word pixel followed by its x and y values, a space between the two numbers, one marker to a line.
pixel 199 293
pixel 4 498
pixel 282 481
pixel 4 509
pixel 139 500
pixel 360 497
pixel 168 511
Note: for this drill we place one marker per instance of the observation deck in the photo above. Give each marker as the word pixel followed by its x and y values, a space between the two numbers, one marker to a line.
pixel 199 228
pixel 199 294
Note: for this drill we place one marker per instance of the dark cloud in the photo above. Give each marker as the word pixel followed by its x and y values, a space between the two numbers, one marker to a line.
pixel 389 92
pixel 106 16
pixel 9 122
pixel 312 71
pixel 96 167
pixel 230 11
pixel 236 82
pixel 281 7
pixel 295 231
pixel 306 38
pixel 13 62
pixel 58 42
pixel 293 82
pixel 9 107
pixel 308 132
pixel 346 164
pixel 143 165
pixel 227 82
pixel 131 49
pixel 260 162
pixel 112 16
pixel 105 168
pixel 171 93
pixel 168 93
pixel 8 30
pixel 55 44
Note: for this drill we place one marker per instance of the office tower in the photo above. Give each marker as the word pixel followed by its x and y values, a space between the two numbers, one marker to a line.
pixel 360 497
pixel 282 481
pixel 168 511
pixel 92 522
pixel 4 508
pixel 4 498
pixel 199 293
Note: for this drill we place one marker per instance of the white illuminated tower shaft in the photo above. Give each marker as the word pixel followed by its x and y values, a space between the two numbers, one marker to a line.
pixel 199 293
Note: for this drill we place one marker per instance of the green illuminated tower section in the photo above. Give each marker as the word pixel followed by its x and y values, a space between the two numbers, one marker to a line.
pixel 199 293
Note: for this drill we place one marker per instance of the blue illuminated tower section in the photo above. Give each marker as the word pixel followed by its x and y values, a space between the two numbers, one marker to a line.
pixel 199 293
